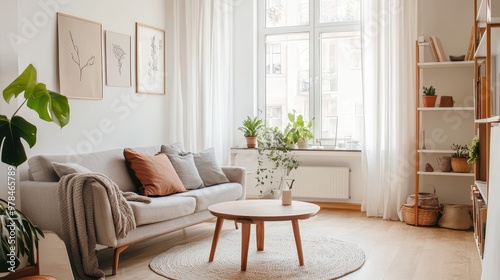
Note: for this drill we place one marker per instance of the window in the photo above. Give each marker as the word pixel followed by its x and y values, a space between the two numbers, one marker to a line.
pixel 311 63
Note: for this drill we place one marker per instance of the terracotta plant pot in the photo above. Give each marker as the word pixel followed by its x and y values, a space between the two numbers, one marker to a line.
pixel 429 100
pixel 251 142
pixel 460 165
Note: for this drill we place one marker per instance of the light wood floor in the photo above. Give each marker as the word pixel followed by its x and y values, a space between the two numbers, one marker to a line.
pixel 393 249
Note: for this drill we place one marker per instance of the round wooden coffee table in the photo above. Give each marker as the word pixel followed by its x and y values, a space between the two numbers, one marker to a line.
pixel 257 212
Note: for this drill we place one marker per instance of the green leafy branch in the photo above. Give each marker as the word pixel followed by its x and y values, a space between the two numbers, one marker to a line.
pixel 50 106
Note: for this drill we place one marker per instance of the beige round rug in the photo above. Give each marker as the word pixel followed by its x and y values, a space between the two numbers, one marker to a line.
pixel 324 258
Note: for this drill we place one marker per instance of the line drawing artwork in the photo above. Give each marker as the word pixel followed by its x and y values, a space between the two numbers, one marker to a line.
pixel 120 56
pixel 89 62
pixel 155 56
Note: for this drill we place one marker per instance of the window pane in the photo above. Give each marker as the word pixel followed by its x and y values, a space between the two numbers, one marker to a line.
pixel 341 96
pixel 339 10
pixel 287 13
pixel 287 77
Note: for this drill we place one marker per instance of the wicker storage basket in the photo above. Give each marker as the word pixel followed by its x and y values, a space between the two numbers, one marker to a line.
pixel 426 216
pixel 460 165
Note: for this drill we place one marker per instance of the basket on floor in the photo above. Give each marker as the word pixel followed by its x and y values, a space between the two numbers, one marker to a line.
pixel 426 216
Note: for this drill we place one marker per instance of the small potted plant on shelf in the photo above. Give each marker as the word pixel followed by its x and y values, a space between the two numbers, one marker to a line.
pixel 298 131
pixel 429 97
pixel 275 162
pixel 459 159
pixel 251 128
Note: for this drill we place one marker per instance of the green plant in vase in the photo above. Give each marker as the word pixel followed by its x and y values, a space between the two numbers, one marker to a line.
pixel 251 128
pixel 459 159
pixel 429 97
pixel 298 131
pixel 275 162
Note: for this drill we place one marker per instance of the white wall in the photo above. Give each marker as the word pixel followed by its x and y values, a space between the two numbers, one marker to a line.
pixel 123 117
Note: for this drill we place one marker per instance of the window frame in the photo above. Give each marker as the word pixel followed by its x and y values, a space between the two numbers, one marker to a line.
pixel 314 29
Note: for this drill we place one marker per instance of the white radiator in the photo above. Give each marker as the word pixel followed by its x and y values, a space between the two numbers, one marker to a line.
pixel 321 182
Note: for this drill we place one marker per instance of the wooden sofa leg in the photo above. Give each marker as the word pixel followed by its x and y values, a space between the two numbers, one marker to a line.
pixel 116 258
pixel 235 224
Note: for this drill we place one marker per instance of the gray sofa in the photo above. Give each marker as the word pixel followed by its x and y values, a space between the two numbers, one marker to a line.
pixel 164 214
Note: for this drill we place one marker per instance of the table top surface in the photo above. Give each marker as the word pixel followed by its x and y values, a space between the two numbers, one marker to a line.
pixel 263 210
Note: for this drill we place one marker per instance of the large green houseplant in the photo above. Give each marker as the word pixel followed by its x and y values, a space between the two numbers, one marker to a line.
pixel 19 237
pixel 275 162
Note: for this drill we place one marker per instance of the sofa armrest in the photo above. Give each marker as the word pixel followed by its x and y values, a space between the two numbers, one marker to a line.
pixel 236 174
pixel 40 203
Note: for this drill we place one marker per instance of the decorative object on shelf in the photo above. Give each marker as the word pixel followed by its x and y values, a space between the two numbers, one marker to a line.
pixel 429 97
pixel 274 155
pixel 444 163
pixel 473 150
pixel 429 168
pixel 457 57
pixel 438 48
pixel 150 59
pixel 459 159
pixel 423 140
pixel 50 106
pixel 80 57
pixel 297 131
pixel 251 128
pixel 17 228
pixel 446 101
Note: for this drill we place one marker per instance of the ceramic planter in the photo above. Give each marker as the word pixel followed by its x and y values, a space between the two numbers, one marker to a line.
pixel 429 100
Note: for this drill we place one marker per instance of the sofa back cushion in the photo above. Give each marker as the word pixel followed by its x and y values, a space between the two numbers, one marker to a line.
pixel 110 163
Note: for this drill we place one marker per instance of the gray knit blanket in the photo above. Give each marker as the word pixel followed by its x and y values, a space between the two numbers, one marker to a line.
pixel 77 218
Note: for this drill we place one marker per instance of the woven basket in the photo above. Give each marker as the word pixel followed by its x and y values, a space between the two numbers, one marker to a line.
pixel 426 216
pixel 460 165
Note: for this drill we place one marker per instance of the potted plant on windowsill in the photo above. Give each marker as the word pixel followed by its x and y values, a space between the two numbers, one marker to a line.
pixel 51 107
pixel 429 97
pixel 251 128
pixel 298 131
pixel 275 163
pixel 459 159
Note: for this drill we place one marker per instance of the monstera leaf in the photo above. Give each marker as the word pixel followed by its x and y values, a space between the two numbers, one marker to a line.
pixel 50 106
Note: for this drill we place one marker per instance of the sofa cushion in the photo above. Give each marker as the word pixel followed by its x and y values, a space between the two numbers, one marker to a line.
pixel 162 208
pixel 186 170
pixel 215 194
pixel 69 168
pixel 156 173
pixel 208 168
pixel 110 162
pixel 172 149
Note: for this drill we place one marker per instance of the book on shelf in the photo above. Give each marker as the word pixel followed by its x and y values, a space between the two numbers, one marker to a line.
pixel 433 50
pixel 439 48
pixel 469 55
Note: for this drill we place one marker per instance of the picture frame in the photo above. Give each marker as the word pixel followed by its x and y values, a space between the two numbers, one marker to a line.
pixel 150 59
pixel 118 59
pixel 80 57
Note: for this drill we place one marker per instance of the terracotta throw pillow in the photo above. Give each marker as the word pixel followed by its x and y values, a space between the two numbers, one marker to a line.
pixel 156 173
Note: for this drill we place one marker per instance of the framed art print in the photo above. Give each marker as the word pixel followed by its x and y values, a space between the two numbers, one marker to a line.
pixel 118 72
pixel 80 57
pixel 150 59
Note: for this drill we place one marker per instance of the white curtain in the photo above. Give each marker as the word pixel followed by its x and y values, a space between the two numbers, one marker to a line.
pixel 389 29
pixel 200 105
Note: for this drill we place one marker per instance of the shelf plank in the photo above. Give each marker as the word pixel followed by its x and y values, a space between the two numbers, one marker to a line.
pixel 446 64
pixel 436 151
pixel 440 173
pixel 483 189
pixel 488 120
pixel 446 108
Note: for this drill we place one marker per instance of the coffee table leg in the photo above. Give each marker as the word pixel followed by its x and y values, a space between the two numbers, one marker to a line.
pixel 298 242
pixel 245 241
pixel 260 235
pixel 218 227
